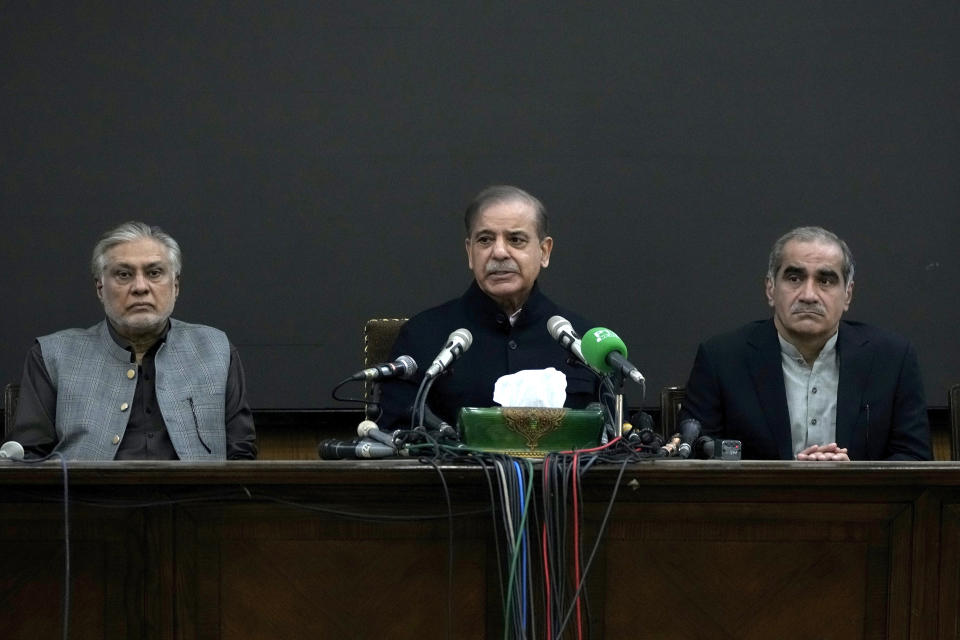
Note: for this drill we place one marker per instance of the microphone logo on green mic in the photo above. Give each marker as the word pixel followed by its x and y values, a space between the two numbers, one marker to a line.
pixel 601 334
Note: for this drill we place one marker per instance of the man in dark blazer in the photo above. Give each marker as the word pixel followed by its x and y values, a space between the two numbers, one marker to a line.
pixel 805 384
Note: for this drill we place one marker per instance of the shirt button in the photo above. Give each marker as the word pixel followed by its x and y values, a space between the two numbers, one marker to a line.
pixel 814 421
pixel 115 439
pixel 131 373
pixel 124 406
pixel 501 318
pixel 512 344
pixel 814 390
pixel 149 435
pixel 148 410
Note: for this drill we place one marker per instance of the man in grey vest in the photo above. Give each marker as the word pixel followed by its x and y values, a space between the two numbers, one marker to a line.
pixel 139 385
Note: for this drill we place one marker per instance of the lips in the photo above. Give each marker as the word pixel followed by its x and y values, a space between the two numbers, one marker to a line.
pixel 807 311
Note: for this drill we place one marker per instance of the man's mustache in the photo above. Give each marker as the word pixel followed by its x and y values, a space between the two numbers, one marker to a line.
pixel 809 308
pixel 505 265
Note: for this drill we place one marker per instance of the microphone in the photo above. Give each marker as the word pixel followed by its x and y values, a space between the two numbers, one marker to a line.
pixel 562 331
pixel 604 351
pixel 369 429
pixel 403 367
pixel 640 424
pixel 642 432
pixel 433 421
pixel 12 450
pixel 690 430
pixel 670 448
pixel 709 449
pixel 458 342
pixel 340 450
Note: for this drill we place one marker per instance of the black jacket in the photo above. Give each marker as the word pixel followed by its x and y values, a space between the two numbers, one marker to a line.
pixel 736 390
pixel 498 349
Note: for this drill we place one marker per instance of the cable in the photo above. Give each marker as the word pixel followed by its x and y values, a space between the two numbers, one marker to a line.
pixel 416 405
pixel 446 495
pixel 524 539
pixel 342 383
pixel 600 532
pixel 576 541
pixel 66 546
pixel 517 548
pixel 67 577
pixel 493 513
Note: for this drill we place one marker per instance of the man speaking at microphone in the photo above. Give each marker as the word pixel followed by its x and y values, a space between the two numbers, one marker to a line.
pixel 805 385
pixel 507 245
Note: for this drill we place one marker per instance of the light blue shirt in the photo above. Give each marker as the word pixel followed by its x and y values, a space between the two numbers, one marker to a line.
pixel 811 394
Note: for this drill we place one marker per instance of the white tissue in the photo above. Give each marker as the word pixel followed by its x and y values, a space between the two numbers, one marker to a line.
pixel 532 388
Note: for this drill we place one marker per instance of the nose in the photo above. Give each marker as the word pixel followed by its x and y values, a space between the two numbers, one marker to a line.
pixel 808 292
pixel 139 284
pixel 500 248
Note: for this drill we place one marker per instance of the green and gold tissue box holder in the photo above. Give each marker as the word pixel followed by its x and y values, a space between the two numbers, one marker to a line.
pixel 529 432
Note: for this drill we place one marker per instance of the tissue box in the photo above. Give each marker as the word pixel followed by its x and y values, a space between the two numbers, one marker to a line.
pixel 529 432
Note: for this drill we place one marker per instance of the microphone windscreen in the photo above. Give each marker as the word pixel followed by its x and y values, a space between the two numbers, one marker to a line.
pixel 597 344
pixel 409 366
pixel 690 430
pixel 463 336
pixel 365 427
pixel 12 450
pixel 557 325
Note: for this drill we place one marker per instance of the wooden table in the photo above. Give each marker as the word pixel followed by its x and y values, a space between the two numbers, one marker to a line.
pixel 318 549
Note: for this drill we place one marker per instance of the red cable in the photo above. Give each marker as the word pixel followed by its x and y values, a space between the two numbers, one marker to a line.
pixel 546 579
pixel 546 561
pixel 600 448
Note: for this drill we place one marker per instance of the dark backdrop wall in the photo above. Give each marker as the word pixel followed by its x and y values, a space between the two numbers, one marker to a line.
pixel 313 159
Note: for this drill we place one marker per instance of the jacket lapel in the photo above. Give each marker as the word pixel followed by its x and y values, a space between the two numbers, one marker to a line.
pixel 856 362
pixel 766 371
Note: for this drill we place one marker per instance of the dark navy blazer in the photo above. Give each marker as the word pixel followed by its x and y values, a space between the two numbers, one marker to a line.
pixel 736 390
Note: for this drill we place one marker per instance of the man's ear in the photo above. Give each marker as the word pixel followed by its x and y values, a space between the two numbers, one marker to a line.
pixel 466 244
pixel 769 290
pixel 848 296
pixel 546 246
pixel 99 283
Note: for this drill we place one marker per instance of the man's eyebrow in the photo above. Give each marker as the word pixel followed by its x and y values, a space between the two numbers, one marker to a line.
pixel 792 270
pixel 828 272
pixel 133 267
pixel 509 232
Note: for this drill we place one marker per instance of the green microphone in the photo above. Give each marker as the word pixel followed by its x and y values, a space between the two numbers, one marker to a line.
pixel 605 351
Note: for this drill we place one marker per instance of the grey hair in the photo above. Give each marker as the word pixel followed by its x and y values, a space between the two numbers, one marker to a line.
pixel 810 234
pixel 500 193
pixel 128 232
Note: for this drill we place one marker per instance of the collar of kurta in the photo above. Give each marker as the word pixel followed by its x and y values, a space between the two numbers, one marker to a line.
pixel 124 344
pixel 486 310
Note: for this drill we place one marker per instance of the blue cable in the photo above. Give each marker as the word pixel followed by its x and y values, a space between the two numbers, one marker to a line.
pixel 523 546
